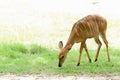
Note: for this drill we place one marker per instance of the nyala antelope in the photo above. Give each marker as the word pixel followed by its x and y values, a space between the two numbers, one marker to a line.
pixel 91 26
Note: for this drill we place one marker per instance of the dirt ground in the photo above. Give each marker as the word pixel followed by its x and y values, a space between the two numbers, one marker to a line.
pixel 58 77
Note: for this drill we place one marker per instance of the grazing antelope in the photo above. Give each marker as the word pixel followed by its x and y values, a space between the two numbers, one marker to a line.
pixel 90 26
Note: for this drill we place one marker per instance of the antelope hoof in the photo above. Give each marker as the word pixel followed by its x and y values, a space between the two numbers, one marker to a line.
pixel 90 61
pixel 78 64
pixel 95 60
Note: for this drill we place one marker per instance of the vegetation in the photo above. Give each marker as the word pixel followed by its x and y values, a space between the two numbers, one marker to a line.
pixel 34 59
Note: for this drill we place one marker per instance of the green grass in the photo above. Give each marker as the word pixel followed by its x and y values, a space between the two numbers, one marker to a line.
pixel 17 58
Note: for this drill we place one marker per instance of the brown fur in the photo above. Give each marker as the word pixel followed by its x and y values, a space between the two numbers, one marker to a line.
pixel 90 26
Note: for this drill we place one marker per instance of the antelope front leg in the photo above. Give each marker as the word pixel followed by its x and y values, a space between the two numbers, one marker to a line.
pixel 99 46
pixel 87 52
pixel 81 48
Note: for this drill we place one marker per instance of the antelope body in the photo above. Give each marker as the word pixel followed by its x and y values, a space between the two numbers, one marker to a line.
pixel 91 26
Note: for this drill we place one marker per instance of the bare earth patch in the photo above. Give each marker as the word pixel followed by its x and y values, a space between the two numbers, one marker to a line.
pixel 58 77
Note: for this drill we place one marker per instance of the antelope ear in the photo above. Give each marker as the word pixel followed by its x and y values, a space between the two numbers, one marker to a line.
pixel 60 45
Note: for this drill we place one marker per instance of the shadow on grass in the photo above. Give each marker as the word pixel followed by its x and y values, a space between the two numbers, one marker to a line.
pixel 21 48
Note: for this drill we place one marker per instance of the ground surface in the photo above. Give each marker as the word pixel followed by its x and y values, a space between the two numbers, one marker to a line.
pixel 58 77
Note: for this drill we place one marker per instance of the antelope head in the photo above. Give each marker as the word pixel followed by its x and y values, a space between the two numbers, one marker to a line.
pixel 63 53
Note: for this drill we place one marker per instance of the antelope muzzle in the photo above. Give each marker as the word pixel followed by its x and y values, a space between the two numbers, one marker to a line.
pixel 59 65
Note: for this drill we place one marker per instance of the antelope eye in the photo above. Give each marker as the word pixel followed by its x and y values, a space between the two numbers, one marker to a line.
pixel 62 57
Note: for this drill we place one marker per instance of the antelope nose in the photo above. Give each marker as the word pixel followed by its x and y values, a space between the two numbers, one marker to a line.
pixel 59 65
